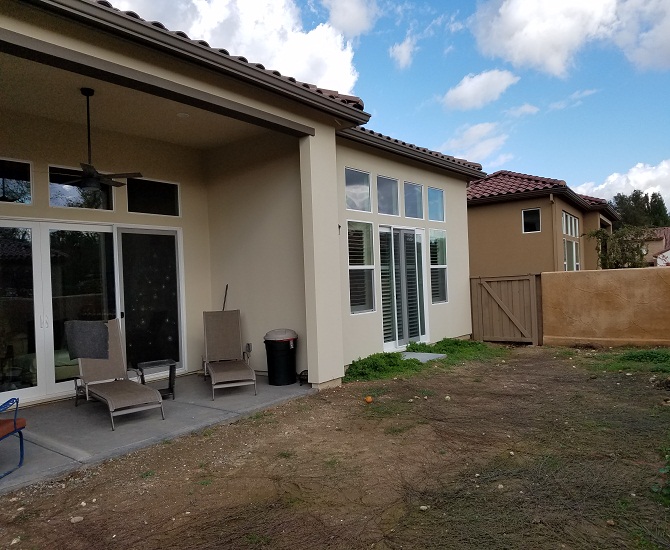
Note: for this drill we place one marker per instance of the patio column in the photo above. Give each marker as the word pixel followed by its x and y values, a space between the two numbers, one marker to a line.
pixel 323 293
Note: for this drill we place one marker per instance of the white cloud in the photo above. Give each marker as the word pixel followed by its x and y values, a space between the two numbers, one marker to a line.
pixel 403 53
pixel 547 35
pixel 352 17
pixel 499 161
pixel 573 100
pixel 269 32
pixel 477 142
pixel 523 110
pixel 645 177
pixel 475 91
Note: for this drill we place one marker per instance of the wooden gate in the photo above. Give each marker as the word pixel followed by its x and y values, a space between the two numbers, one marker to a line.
pixel 507 309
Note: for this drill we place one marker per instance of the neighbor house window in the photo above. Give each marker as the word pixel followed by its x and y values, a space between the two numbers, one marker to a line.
pixel 435 204
pixel 15 179
pixel 387 196
pixel 438 265
pixel 68 188
pixel 531 220
pixel 571 260
pixel 361 267
pixel 357 186
pixel 413 200
pixel 153 197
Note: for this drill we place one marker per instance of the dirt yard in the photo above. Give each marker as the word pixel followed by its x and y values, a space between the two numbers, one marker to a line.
pixel 530 452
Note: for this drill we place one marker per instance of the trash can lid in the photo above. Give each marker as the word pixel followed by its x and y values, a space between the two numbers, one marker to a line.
pixel 281 335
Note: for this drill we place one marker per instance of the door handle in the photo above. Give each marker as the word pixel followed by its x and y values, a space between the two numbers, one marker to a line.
pixel 46 321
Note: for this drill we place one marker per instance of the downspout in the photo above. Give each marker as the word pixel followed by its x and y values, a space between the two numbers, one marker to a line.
pixel 553 226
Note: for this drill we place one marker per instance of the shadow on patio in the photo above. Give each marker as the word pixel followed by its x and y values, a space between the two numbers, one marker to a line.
pixel 61 438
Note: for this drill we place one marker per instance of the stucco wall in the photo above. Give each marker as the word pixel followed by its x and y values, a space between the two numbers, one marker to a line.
pixel 256 239
pixel 609 308
pixel 363 332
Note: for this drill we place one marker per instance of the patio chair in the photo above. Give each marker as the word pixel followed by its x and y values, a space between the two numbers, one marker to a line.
pixel 12 426
pixel 107 379
pixel 224 361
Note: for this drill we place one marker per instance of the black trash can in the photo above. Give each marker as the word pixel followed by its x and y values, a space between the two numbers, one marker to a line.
pixel 280 347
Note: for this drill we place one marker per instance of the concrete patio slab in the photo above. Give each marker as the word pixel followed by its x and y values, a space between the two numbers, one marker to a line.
pixel 61 438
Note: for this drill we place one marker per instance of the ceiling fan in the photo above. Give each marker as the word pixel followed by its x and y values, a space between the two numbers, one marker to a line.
pixel 91 179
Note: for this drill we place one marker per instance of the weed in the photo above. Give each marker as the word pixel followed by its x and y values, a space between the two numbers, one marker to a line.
pixel 427 393
pixel 285 454
pixel 147 474
pixel 387 409
pixel 257 540
pixel 396 430
pixel 205 482
pixel 381 365
pixel 662 488
pixel 332 462
pixel 208 432
pixel 635 360
pixel 376 392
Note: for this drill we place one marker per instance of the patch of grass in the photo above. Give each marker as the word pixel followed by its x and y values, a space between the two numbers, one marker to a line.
pixel 381 365
pixel 458 351
pixel 147 474
pixel 332 462
pixel 285 454
pixel 662 487
pixel 627 359
pixel 257 540
pixel 208 432
pixel 396 430
pixel 205 482
pixel 376 392
pixel 427 393
pixel 261 415
pixel 387 409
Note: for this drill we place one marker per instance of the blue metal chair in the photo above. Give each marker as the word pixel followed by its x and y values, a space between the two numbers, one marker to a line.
pixel 12 426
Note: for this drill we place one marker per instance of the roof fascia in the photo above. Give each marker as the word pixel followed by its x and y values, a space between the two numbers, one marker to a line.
pixel 407 152
pixel 137 31
pixel 77 62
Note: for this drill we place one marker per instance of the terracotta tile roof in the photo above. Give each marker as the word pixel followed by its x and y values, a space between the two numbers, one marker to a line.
pixel 662 234
pixel 504 182
pixel 349 100
pixel 594 201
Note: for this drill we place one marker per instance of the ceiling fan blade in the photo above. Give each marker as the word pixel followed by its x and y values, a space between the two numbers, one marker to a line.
pixel 75 183
pixel 113 183
pixel 124 175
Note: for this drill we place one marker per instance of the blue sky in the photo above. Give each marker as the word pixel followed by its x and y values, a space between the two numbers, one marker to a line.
pixel 572 89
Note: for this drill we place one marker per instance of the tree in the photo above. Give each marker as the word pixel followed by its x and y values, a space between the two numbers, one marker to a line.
pixel 624 247
pixel 639 210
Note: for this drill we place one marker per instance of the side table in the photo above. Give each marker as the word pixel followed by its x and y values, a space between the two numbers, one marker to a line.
pixel 161 363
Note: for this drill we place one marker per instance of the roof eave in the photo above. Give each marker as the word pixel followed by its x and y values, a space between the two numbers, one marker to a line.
pixel 411 152
pixel 124 26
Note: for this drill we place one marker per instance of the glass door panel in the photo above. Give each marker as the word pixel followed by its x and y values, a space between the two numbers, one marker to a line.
pixel 82 281
pixel 18 346
pixel 150 295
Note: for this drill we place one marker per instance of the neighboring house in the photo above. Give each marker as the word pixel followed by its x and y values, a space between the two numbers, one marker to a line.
pixel 658 246
pixel 520 224
pixel 256 189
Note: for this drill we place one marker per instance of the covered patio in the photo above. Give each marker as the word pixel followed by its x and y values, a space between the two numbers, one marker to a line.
pixel 60 438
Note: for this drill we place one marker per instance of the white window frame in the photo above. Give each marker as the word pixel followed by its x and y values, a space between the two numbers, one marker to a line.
pixel 523 221
pixel 439 267
pixel 444 210
pixel 571 238
pixel 365 267
pixel 346 195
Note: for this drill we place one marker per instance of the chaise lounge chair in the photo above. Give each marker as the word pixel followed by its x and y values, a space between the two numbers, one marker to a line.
pixel 224 361
pixel 107 379
pixel 13 426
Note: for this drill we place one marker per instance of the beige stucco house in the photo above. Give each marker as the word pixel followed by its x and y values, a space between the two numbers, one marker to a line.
pixel 520 224
pixel 250 181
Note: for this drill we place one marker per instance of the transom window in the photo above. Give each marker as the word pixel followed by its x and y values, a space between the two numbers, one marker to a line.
pixel 435 204
pixel 67 189
pixel 357 189
pixel 15 179
pixel 387 196
pixel 153 197
pixel 570 225
pixel 531 220
pixel 361 267
pixel 413 200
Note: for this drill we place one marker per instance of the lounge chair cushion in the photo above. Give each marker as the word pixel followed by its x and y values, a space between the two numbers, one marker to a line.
pixel 120 394
pixel 230 371
pixel 7 426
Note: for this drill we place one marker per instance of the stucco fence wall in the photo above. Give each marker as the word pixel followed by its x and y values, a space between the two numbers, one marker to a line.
pixel 607 308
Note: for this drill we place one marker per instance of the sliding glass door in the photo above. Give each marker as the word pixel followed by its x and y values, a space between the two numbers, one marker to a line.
pixel 402 285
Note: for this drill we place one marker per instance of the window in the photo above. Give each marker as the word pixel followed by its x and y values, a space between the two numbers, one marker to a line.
pixel 357 186
pixel 438 265
pixel 361 267
pixel 435 204
pixel 387 196
pixel 531 220
pixel 15 178
pixel 153 197
pixel 571 260
pixel 66 189
pixel 413 200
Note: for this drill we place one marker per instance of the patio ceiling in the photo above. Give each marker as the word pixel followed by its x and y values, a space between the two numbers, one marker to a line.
pixel 45 91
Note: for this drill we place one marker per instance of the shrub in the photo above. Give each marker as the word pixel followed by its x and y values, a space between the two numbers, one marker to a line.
pixel 381 365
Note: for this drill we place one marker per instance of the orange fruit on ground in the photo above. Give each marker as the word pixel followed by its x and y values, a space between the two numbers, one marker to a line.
pixel 368 399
